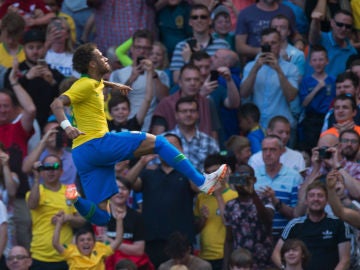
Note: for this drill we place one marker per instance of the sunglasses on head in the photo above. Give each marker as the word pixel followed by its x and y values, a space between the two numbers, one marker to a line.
pixel 340 24
pixel 195 17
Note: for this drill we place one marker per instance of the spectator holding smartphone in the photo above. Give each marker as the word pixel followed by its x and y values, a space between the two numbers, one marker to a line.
pixel 270 80
pixel 248 220
pixel 141 73
pixel 48 146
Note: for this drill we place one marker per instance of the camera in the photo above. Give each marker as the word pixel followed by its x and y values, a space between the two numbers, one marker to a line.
pixel 324 153
pixel 214 75
pixel 139 59
pixel 266 48
pixel 48 167
pixel 239 178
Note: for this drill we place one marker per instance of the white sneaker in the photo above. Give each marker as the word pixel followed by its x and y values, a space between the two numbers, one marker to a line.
pixel 212 179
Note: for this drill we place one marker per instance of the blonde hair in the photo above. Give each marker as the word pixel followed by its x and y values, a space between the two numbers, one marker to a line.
pixel 237 143
pixel 68 41
pixel 165 62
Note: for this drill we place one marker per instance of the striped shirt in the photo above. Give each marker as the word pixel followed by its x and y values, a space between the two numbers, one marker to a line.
pixel 285 184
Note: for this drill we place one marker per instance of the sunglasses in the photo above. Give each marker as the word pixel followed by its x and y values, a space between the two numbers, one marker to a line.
pixel 340 24
pixel 202 17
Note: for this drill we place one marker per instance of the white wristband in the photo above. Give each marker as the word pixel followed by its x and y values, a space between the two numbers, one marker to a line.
pixel 64 124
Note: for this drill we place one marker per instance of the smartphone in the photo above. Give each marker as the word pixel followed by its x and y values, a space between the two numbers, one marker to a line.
pixel 266 48
pixel 41 62
pixel 61 139
pixel 192 43
pixel 240 179
pixel 139 59
pixel 214 75
pixel 58 25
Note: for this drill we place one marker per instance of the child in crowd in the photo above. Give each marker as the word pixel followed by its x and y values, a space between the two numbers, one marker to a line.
pixel 119 109
pixel 249 118
pixel 316 93
pixel 12 29
pixel 239 146
pixel 241 258
pixel 294 254
pixel 222 25
pixel 87 253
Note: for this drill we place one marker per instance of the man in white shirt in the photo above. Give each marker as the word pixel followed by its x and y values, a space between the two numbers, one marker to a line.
pixel 280 126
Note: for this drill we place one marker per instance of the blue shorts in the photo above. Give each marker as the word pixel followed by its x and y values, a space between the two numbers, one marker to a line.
pixel 95 161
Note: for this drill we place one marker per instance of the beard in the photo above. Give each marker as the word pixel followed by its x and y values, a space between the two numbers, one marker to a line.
pixel 349 154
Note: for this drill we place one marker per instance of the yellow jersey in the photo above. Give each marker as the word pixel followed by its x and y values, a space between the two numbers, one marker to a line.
pixel 87 106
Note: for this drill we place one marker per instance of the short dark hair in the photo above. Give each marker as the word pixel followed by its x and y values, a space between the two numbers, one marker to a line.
pixel 318 48
pixel 82 57
pixel 214 159
pixel 84 230
pixel 173 135
pixel 268 31
pixel 249 110
pixel 199 55
pixel 346 97
pixel 283 17
pixel 116 100
pixel 124 181
pixel 344 12
pixel 189 66
pixel 125 264
pixel 276 119
pixel 11 95
pixel 188 99
pixel 293 243
pixel 349 131
pixel 177 245
pixel 143 33
pixel 348 75
pixel 55 156
pixel 199 6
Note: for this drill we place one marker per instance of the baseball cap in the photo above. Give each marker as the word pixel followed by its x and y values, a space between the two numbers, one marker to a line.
pixel 33 35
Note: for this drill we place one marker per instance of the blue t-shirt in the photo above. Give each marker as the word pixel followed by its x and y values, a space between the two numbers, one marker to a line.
pixel 321 102
pixel 252 20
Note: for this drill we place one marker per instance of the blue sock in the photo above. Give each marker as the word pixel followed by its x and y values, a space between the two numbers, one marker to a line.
pixel 91 212
pixel 172 156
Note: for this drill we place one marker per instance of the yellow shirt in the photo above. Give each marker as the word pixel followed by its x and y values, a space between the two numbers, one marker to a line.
pixel 50 203
pixel 355 8
pixel 95 261
pixel 212 236
pixel 6 59
pixel 87 105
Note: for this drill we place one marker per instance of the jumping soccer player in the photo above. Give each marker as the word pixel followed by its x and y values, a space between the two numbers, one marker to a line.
pixel 95 150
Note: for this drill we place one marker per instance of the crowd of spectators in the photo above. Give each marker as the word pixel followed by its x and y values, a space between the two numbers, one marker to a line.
pixel 270 87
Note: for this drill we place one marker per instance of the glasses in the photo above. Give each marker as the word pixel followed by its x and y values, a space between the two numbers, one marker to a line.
pixel 188 111
pixel 340 24
pixel 49 167
pixel 352 141
pixel 16 257
pixel 144 48
pixel 202 17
